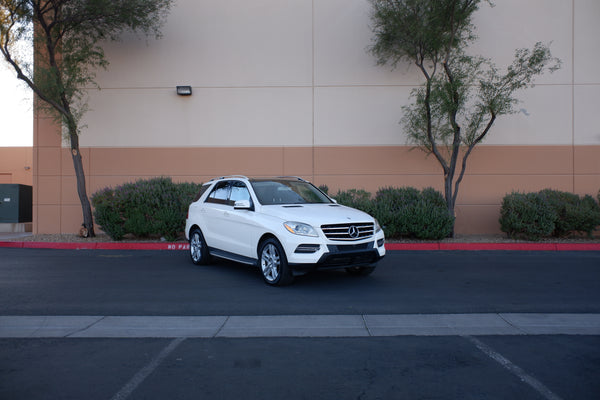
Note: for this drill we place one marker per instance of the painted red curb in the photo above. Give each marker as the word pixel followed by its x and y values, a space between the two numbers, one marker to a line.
pixel 97 246
pixel 495 246
pixel 388 246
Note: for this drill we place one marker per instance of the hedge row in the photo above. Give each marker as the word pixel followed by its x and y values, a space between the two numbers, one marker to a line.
pixel 403 212
pixel 548 213
pixel 147 208
pixel 157 208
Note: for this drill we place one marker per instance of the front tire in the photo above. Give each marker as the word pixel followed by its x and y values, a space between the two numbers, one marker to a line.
pixel 273 263
pixel 198 249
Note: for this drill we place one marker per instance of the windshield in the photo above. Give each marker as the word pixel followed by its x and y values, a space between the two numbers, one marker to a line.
pixel 275 191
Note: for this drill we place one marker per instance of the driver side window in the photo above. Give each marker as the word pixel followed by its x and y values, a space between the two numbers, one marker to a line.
pixel 220 193
pixel 228 192
pixel 239 191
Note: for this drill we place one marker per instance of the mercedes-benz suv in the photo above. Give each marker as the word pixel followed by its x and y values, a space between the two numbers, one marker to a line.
pixel 285 225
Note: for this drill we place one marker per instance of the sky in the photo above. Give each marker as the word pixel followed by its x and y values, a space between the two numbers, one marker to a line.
pixel 16 110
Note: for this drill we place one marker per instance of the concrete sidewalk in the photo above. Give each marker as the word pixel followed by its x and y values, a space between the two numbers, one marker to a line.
pixel 298 325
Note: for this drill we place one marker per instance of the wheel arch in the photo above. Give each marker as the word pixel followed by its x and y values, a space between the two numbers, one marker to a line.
pixel 195 226
pixel 264 237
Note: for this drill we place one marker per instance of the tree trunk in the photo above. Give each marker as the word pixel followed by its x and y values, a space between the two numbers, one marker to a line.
pixel 449 198
pixel 86 208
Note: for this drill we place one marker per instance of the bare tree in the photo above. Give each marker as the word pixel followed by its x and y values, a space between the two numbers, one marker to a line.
pixel 67 37
pixel 463 95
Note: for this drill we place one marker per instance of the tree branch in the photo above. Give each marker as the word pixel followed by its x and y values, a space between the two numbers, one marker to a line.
pixel 468 153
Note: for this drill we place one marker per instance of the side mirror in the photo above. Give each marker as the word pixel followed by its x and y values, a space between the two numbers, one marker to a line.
pixel 242 205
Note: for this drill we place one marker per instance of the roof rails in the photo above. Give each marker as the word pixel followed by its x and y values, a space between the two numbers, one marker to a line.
pixel 229 176
pixel 245 177
pixel 295 177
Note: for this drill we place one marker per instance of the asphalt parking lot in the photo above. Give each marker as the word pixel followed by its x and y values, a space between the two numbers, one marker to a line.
pixel 446 298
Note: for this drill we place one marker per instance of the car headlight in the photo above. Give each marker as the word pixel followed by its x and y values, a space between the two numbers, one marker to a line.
pixel 298 228
pixel 377 226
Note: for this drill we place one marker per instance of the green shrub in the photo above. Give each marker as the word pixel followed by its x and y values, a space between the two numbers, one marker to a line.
pixel 408 212
pixel 526 216
pixel 109 221
pixel 573 213
pixel 403 212
pixel 391 209
pixel 356 198
pixel 153 207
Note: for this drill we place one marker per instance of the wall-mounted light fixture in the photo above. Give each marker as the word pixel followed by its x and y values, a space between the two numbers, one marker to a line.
pixel 184 90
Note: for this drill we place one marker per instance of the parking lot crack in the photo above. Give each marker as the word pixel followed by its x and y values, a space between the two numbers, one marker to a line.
pixel 221 327
pixel 86 327
pixel 512 325
pixel 366 325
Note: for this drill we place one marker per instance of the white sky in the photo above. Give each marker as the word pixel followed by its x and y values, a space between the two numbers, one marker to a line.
pixel 16 110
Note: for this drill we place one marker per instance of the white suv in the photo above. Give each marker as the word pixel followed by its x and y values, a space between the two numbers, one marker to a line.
pixel 284 225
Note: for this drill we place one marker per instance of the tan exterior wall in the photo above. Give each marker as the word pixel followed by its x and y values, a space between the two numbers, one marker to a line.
pixel 287 88
pixel 16 165
pixel 493 172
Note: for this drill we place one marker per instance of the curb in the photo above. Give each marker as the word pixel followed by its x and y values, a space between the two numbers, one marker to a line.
pixel 389 246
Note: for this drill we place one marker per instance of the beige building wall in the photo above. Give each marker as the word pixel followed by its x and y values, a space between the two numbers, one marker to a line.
pixel 16 165
pixel 288 88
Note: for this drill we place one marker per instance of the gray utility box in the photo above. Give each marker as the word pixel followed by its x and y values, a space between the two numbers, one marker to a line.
pixel 15 203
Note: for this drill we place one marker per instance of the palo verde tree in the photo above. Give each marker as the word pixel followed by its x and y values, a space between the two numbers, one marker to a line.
pixel 67 38
pixel 462 94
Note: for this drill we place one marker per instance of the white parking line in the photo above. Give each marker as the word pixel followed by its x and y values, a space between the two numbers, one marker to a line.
pixel 143 373
pixel 514 369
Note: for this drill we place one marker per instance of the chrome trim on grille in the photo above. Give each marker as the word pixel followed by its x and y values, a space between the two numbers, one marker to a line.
pixel 348 231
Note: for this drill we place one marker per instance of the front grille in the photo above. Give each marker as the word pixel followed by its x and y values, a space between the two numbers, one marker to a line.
pixel 344 248
pixel 351 231
pixel 350 259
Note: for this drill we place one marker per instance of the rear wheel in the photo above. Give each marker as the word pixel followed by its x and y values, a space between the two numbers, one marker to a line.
pixel 273 263
pixel 198 249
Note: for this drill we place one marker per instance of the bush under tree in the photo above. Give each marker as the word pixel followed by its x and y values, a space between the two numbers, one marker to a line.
pixel 403 212
pixel 146 208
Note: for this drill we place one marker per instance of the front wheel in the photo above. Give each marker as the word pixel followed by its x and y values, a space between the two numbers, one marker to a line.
pixel 273 263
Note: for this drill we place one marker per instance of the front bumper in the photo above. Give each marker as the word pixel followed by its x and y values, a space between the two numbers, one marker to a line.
pixel 344 256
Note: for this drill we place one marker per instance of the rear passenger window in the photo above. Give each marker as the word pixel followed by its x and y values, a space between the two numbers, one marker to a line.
pixel 203 189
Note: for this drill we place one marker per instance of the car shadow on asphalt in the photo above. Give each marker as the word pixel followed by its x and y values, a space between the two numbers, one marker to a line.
pixel 238 271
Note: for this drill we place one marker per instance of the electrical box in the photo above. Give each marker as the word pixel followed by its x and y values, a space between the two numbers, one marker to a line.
pixel 16 203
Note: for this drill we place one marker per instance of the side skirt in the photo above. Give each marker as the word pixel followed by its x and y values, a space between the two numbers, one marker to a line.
pixel 232 256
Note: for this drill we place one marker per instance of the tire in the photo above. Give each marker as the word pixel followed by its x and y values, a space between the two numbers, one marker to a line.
pixel 360 271
pixel 198 249
pixel 273 263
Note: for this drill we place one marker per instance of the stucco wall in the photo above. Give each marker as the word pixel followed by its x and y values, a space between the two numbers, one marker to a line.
pixel 16 165
pixel 288 88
